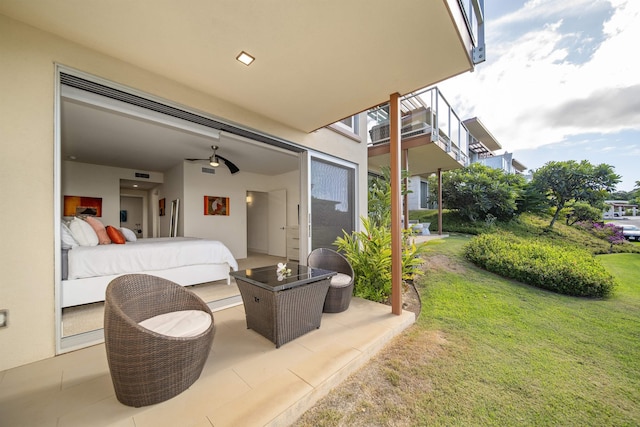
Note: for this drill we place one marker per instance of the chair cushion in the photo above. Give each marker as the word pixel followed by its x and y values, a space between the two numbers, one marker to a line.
pixel 340 280
pixel 185 323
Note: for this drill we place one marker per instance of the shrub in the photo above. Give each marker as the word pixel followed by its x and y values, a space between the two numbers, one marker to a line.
pixel 560 268
pixel 369 252
pixel 608 232
pixel 582 211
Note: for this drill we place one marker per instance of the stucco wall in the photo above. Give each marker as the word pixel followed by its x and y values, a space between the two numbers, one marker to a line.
pixel 28 162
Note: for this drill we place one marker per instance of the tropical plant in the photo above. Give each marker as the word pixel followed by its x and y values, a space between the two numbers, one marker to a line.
pixel 369 250
pixel 564 182
pixel 479 192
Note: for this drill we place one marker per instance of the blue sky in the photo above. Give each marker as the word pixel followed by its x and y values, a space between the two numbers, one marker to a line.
pixel 561 82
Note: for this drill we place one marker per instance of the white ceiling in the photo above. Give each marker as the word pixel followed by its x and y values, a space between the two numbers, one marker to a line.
pixel 97 135
pixel 316 61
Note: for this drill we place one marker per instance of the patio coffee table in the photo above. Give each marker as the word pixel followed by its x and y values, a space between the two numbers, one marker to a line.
pixel 283 308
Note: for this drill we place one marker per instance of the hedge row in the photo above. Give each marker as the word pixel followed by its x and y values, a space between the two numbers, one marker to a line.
pixel 564 269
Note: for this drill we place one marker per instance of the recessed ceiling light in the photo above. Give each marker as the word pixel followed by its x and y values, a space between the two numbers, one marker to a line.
pixel 245 58
pixel 135 185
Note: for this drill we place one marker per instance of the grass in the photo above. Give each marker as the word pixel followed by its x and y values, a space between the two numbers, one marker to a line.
pixel 490 351
pixel 526 225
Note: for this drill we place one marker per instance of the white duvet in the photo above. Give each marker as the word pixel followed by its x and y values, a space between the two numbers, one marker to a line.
pixel 146 255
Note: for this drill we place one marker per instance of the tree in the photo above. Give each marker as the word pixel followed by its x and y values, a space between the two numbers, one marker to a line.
pixel 567 181
pixel 379 200
pixel 582 211
pixel 481 193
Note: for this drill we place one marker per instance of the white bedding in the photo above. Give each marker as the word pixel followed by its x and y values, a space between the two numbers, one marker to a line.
pixel 146 255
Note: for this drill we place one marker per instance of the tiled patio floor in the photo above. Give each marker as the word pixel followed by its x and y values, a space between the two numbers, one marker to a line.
pixel 246 381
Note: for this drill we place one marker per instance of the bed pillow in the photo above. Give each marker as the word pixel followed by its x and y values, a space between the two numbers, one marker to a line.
pixel 115 235
pixel 68 242
pixel 98 227
pixel 83 233
pixel 128 234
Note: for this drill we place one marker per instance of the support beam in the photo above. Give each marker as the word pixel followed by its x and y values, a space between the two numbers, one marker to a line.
pixel 396 205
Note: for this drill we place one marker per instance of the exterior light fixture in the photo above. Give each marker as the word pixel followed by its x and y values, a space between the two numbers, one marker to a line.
pixel 245 58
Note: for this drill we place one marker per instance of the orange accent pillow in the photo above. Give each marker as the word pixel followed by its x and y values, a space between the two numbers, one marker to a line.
pixel 116 235
pixel 98 227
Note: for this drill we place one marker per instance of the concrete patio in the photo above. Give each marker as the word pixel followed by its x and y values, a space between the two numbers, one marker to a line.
pixel 246 381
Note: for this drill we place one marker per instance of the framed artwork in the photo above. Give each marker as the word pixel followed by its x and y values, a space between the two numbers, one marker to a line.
pixel 216 205
pixel 78 205
pixel 123 216
pixel 161 203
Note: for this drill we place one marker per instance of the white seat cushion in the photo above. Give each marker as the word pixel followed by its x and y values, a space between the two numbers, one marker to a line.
pixel 186 323
pixel 340 280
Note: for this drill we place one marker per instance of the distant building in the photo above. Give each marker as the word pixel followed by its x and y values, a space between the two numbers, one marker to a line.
pixel 618 208
pixel 481 146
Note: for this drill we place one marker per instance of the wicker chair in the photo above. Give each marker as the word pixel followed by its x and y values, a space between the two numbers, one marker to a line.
pixel 147 367
pixel 341 287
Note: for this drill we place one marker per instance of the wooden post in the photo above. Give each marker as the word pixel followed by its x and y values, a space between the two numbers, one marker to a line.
pixel 396 205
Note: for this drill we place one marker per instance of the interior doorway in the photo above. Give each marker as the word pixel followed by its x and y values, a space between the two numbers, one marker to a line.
pixel 131 214
pixel 266 222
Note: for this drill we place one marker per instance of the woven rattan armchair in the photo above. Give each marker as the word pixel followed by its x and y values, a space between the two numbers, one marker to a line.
pixel 147 367
pixel 341 287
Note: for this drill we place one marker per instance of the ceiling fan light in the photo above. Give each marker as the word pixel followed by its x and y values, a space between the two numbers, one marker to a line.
pixel 213 161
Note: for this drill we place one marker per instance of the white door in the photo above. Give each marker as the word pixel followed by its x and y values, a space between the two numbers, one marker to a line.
pixel 277 223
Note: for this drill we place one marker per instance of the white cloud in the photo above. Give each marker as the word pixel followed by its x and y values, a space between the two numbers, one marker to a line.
pixel 529 91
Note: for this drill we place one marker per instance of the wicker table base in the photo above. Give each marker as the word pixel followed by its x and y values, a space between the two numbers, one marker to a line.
pixel 283 315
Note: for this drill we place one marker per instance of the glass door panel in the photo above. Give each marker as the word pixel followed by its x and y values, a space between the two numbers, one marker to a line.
pixel 332 202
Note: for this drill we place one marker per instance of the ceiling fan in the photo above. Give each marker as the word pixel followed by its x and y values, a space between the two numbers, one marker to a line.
pixel 214 160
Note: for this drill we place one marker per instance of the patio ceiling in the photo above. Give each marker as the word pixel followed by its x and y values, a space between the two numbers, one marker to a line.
pixel 316 62
pixel 425 157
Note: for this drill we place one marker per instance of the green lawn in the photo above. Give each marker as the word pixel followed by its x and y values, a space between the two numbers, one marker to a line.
pixel 518 355
pixel 488 351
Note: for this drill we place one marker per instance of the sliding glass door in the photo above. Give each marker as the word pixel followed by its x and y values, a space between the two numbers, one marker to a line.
pixel 332 201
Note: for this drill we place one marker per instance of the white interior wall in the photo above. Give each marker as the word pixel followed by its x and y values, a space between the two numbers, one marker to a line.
pixel 231 229
pixel 257 221
pixel 82 179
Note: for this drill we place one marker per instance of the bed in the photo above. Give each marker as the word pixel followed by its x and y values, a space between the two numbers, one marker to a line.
pixel 87 270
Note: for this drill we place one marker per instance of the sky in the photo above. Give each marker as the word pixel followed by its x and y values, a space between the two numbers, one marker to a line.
pixel 561 82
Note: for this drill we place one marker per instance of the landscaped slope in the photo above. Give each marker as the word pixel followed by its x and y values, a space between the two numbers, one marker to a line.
pixel 491 351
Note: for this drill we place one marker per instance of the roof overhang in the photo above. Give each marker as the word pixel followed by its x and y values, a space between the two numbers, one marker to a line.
pixel 481 133
pixel 518 166
pixel 316 62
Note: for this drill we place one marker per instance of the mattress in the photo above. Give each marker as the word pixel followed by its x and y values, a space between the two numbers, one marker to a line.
pixel 146 255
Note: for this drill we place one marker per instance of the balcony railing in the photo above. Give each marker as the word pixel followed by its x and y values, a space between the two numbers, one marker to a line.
pixel 424 113
pixel 473 11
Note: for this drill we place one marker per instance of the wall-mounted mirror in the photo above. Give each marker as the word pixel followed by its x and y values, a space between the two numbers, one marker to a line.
pixel 175 207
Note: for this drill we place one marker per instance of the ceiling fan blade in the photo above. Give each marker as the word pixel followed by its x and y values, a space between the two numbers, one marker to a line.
pixel 193 160
pixel 232 168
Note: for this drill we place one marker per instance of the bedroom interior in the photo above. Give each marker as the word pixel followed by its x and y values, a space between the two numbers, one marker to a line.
pixel 84 319
pixel 112 152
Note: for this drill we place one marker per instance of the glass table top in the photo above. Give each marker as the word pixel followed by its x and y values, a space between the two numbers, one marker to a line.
pixel 269 277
